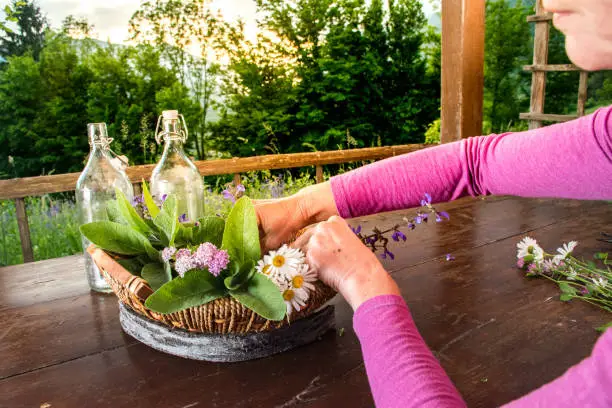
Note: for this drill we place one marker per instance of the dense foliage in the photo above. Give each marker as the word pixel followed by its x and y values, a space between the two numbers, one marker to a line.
pixel 322 74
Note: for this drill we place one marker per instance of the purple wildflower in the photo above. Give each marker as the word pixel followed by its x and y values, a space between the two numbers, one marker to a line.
pixel 397 235
pixel 184 262
pixel 450 257
pixel 219 262
pixel 440 215
pixel 163 198
pixel 167 253
pixel 427 201
pixel 204 254
pixel 584 291
pixel 386 254
pixel 240 189
pixel 532 268
pixel 357 230
pixel 183 218
pixel 229 196
pixel 520 263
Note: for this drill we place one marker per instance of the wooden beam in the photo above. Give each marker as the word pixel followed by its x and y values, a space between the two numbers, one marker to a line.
pixel 551 68
pixel 540 57
pixel 33 186
pixel 547 117
pixel 463 28
pixel 539 18
pixel 319 174
pixel 582 92
pixel 24 230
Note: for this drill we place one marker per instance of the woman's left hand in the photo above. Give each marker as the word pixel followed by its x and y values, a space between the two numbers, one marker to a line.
pixel 344 262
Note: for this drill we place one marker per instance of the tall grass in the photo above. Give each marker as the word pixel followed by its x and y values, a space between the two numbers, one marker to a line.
pixel 54 226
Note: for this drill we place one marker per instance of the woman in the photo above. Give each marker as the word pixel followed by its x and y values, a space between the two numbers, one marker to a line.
pixel 574 160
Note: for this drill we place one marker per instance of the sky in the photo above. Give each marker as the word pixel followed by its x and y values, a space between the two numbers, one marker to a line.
pixel 110 17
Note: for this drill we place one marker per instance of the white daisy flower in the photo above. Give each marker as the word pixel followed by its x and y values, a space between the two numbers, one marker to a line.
pixel 567 249
pixel 548 265
pixel 295 299
pixel 529 247
pixel 600 282
pixel 284 260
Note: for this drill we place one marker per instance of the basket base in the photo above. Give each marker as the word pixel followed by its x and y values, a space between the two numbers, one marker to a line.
pixel 225 347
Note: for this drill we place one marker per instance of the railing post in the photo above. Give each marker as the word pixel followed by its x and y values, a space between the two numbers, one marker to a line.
pixel 463 38
pixel 137 189
pixel 540 57
pixel 24 230
pixel 319 174
pixel 237 179
pixel 582 91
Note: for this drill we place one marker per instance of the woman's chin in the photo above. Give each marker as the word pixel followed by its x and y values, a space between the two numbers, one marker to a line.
pixel 589 55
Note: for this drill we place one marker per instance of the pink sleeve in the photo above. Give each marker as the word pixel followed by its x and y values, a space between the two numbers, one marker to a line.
pixel 569 160
pixel 404 373
pixel 401 369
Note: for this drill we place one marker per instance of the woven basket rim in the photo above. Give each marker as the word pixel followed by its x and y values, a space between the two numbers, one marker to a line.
pixel 223 315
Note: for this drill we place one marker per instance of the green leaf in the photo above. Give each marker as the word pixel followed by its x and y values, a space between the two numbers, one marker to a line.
pixel 157 274
pixel 210 230
pixel 241 234
pixel 263 297
pixel 566 288
pixel 114 215
pixel 131 265
pixel 130 215
pixel 604 327
pixel 117 238
pixel 167 219
pixel 149 201
pixel 240 276
pixel 565 297
pixel 196 288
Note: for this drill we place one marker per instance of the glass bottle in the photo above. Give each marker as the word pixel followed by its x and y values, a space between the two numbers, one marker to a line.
pixel 175 173
pixel 95 188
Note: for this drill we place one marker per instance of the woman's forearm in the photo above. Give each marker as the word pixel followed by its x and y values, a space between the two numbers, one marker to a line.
pixel 569 160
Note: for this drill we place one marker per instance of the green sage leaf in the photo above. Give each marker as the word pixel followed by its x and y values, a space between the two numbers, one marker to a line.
pixel 263 297
pixel 167 219
pixel 210 230
pixel 566 288
pixel 130 215
pixel 241 234
pixel 241 275
pixel 131 265
pixel 156 274
pixel 196 288
pixel 114 215
pixel 117 238
pixel 149 201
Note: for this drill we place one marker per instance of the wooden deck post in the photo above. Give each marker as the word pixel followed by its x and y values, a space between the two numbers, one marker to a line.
pixel 540 57
pixel 463 31
pixel 24 230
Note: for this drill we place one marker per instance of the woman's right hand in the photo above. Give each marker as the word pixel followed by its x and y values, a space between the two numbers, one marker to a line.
pixel 280 220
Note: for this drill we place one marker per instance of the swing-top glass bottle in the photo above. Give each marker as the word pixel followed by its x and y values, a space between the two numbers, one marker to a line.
pixel 175 173
pixel 95 188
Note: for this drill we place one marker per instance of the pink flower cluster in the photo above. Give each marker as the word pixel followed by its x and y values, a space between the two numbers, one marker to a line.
pixel 206 256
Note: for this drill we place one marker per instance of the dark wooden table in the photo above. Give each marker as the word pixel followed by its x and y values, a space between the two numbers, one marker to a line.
pixel 497 334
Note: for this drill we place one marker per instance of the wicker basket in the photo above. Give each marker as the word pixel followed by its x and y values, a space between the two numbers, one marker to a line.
pixel 224 315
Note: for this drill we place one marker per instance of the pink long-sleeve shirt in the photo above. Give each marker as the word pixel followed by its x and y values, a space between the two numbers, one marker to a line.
pixel 570 160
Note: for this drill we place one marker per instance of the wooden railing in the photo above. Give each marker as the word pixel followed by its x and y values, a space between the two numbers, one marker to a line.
pixel 19 188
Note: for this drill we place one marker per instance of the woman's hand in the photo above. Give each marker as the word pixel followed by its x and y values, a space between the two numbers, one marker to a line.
pixel 344 263
pixel 280 220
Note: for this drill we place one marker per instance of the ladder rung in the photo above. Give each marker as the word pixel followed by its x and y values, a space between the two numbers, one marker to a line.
pixel 539 18
pixel 546 117
pixel 551 68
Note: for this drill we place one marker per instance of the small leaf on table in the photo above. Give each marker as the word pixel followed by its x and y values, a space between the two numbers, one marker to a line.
pixel 196 288
pixel 263 297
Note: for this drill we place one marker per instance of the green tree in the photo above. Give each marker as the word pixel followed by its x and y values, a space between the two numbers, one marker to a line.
pixel 507 49
pixel 29 34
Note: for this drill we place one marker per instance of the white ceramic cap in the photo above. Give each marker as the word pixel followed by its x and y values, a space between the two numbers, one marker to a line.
pixel 170 114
